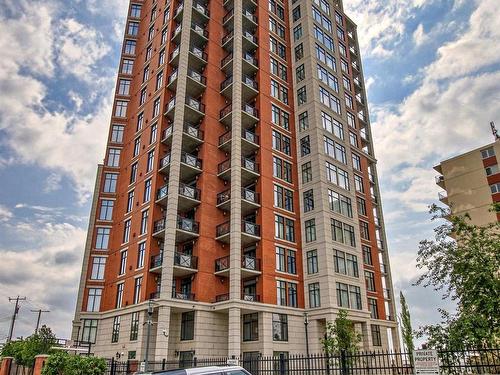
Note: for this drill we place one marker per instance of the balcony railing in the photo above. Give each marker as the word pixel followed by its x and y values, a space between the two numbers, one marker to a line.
pixel 439 179
pixel 224 166
pixel 250 82
pixel 250 16
pixel 183 296
pixel 228 81
pixel 176 31
pixel 191 160
pixel 222 297
pixel 250 263
pixel 226 59
pixel 222 264
pixel 189 191
pixel 195 104
pixel 383 268
pixel 250 136
pixel 172 77
pixel 188 225
pixel 167 132
pixel 165 160
pixel 250 195
pixel 193 131
pixel 198 52
pixel 159 225
pixel 250 37
pixel 185 260
pixel 226 110
pixel 156 261
pixel 387 293
pixel 250 228
pixel 228 15
pixel 198 77
pixel 162 192
pixel 250 58
pixel 249 164
pixel 179 9
pixel 247 108
pixel 224 197
pixel 154 295
pixel 199 30
pixel 201 8
pixel 226 137
pixel 227 37
pixel 175 52
pixel 380 244
pixel 223 229
pixel 171 104
pixel 250 297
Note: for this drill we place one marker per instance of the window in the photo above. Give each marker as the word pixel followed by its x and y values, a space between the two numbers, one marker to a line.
pixel 347 83
pixel 495 188
pixel 322 19
pixel 137 146
pixel 300 73
pixel 280 117
pixel 489 152
pixel 348 101
pixel 149 52
pixel 345 263
pixel 145 74
pixel 361 203
pixel 370 281
pixel 151 158
pixel 187 326
pixel 166 15
pixel 367 255
pixel 364 231
pixel 164 36
pixel 372 306
pixel 356 162
pixel 140 121
pixel 314 295
pixel 161 57
pixel 283 198
pixel 115 334
pixel 305 146
pixel 126 231
pixel 338 18
pixel 342 232
pixel 251 327
pixel 301 95
pixel 491 170
pixel 135 11
pixel 121 108
pixel 106 212
pixel 286 260
pixel 124 87
pixel 89 332
pixel 156 107
pixel 144 221
pixel 284 228
pixel 310 229
pixel 127 66
pixel 332 126
pixel 141 254
pixel 137 290
pixel 279 92
pixel 117 133
pixel 329 100
pixel 358 184
pixel 376 337
pixel 351 120
pixel 297 32
pixel 344 66
pixel 299 52
pixel 281 293
pixel 335 150
pixel 337 176
pixel 323 37
pixel 134 326
pixel 281 142
pixel 129 47
pixel 286 293
pixel 282 169
pixel 147 191
pixel 133 172
pixel 342 50
pixel 326 58
pixel 123 262
pixel 153 133
pixel 280 327
pixel 98 266
pixel 339 203
pixel 296 13
pixel 94 299
pixel 308 197
pixel 151 32
pixel 159 80
pixel 312 262
pixel 303 121
pixel 113 157
pixel 276 27
pixel 323 4
pixel 153 14
pixel 277 48
pixel 102 238
pixel 306 172
pixel 328 78
pixel 349 296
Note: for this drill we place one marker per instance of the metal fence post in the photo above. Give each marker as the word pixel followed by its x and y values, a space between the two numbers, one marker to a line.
pixel 195 362
pixel 343 363
pixel 163 364
pixel 327 355
pixel 282 364
pixel 112 372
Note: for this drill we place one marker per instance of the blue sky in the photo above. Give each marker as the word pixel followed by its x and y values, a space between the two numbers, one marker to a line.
pixel 433 75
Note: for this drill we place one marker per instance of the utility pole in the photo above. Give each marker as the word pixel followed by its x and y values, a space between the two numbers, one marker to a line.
pixel 16 311
pixel 40 311
pixel 149 322
pixel 494 131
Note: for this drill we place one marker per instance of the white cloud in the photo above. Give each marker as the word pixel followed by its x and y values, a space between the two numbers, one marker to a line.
pixel 52 183
pixel 419 35
pixel 5 214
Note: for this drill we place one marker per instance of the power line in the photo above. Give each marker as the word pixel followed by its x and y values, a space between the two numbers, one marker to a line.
pixel 16 311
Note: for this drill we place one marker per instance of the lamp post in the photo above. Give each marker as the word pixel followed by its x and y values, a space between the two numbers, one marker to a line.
pixel 306 323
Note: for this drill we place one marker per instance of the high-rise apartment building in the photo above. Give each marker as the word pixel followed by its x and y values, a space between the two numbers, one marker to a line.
pixel 472 183
pixel 239 188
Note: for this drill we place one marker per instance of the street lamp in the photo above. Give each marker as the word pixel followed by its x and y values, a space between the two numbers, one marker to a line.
pixel 306 323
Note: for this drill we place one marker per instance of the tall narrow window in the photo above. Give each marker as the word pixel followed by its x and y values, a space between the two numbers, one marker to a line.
pixel 137 290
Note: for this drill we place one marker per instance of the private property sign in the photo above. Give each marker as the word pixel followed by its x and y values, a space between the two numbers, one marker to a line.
pixel 426 361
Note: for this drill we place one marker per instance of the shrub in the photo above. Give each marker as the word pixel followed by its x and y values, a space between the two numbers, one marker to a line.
pixel 64 364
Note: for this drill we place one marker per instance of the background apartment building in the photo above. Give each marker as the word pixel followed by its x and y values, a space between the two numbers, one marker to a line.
pixel 472 183
pixel 239 188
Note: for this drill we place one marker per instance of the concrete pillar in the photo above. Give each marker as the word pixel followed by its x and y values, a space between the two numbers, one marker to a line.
pixel 234 332
pixel 5 365
pixel 161 349
pixel 39 363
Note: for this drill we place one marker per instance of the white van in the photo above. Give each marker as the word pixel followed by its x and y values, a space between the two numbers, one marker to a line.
pixel 214 370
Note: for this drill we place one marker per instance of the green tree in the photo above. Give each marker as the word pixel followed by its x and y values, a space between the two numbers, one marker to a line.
pixel 406 330
pixel 24 351
pixel 61 363
pixel 340 335
pixel 463 261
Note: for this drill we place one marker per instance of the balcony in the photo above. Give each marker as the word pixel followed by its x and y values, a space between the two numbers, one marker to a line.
pixel 250 88
pixel 166 135
pixel 249 116
pixel 170 109
pixel 172 80
pixel 357 83
pixel 440 181
pixel 156 263
pixel 249 141
pixel 190 166
pixel 360 100
pixel 199 34
pixel 250 297
pixel 222 297
pixel 225 115
pixel 250 42
pixel 174 56
pixel 353 51
pixel 198 58
pixel 192 136
pixel 250 201
pixel 196 83
pixel 387 293
pixel 227 41
pixel 159 228
pixel 250 233
pixel 222 232
pixel 250 266
pixel 189 197
pixel 250 64
pixel 365 140
pixel 227 63
pixel 176 34
pixel 443 197
pixel 226 87
pixel 355 66
pixel 184 264
pixel 249 20
pixel 201 13
pixel 380 245
pixel 249 171
pixel 183 296
pixel 195 110
pixel 187 229
pixel 384 269
pixel 162 196
pixel 165 164
pixel 227 20
pixel 178 12
pixel 154 295
pixel 224 170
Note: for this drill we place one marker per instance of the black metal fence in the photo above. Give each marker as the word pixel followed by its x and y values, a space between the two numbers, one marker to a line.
pixel 470 361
